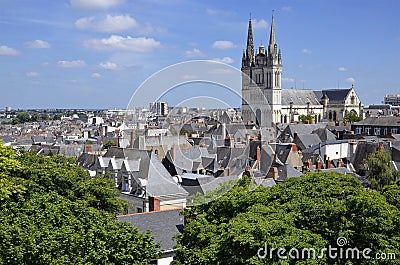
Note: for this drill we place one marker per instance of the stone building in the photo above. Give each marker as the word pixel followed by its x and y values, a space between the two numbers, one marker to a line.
pixel 265 103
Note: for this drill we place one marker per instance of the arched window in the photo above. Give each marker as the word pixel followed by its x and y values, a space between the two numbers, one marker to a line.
pixel 258 117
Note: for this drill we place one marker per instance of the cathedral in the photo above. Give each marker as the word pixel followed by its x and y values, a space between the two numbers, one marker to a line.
pixel 265 103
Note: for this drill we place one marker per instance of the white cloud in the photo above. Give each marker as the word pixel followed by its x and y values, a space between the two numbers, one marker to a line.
pixel 227 60
pixel 222 71
pixel 287 9
pixel 110 23
pixel 306 51
pixel 95 75
pixel 4 50
pixel 288 79
pixel 342 69
pixel 351 80
pixel 148 29
pixel 259 24
pixel 219 12
pixel 108 65
pixel 223 44
pixel 95 4
pixel 194 53
pixel 71 64
pixel 32 74
pixel 211 12
pixel 38 44
pixel 189 77
pixel 116 42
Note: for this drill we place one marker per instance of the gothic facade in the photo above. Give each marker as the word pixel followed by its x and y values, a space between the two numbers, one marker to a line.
pixel 262 81
pixel 265 103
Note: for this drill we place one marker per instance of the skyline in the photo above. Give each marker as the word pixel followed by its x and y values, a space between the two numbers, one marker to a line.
pixel 95 53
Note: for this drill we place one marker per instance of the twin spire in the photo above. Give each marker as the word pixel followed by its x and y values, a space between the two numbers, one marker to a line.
pixel 273 52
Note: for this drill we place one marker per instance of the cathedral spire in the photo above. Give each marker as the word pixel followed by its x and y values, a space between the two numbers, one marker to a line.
pixel 272 38
pixel 250 44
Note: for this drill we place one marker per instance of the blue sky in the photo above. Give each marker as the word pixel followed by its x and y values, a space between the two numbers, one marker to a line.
pixel 96 53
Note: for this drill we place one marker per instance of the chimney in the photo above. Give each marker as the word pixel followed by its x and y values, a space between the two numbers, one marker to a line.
pixel 88 148
pixel 227 172
pixel 380 147
pixel 154 204
pixel 173 153
pixel 294 135
pixel 309 164
pixel 275 169
pixel 258 154
pixel 328 164
pixel 294 147
pixel 132 137
pixel 318 164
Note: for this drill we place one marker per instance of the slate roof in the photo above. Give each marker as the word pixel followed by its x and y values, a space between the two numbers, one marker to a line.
pixel 300 128
pixel 304 141
pixel 160 182
pixel 267 155
pixel 285 171
pixel 164 225
pixel 229 158
pixel 168 141
pixel 299 97
pixel 7 139
pixel 324 134
pixel 86 160
pixel 336 96
pixel 379 121
pixel 269 182
pixel 193 159
pixel 71 150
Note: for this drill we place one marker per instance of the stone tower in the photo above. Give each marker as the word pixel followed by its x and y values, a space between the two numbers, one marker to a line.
pixel 262 81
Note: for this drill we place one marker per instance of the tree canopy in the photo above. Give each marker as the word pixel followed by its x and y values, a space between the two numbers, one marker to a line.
pixel 378 170
pixel 312 211
pixel 53 212
pixel 351 117
pixel 307 119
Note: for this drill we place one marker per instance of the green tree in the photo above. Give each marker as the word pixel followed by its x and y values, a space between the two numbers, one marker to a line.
pixel 53 212
pixel 57 117
pixel 109 144
pixel 306 118
pixel 307 212
pixel 378 171
pixel 44 117
pixel 21 117
pixel 351 117
pixel 35 117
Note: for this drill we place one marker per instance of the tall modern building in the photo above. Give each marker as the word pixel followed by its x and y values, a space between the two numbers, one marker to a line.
pixel 159 108
pixel 393 100
pixel 265 103
pixel 262 81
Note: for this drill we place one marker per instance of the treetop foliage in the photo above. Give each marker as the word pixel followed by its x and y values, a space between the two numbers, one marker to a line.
pixel 307 212
pixel 53 212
